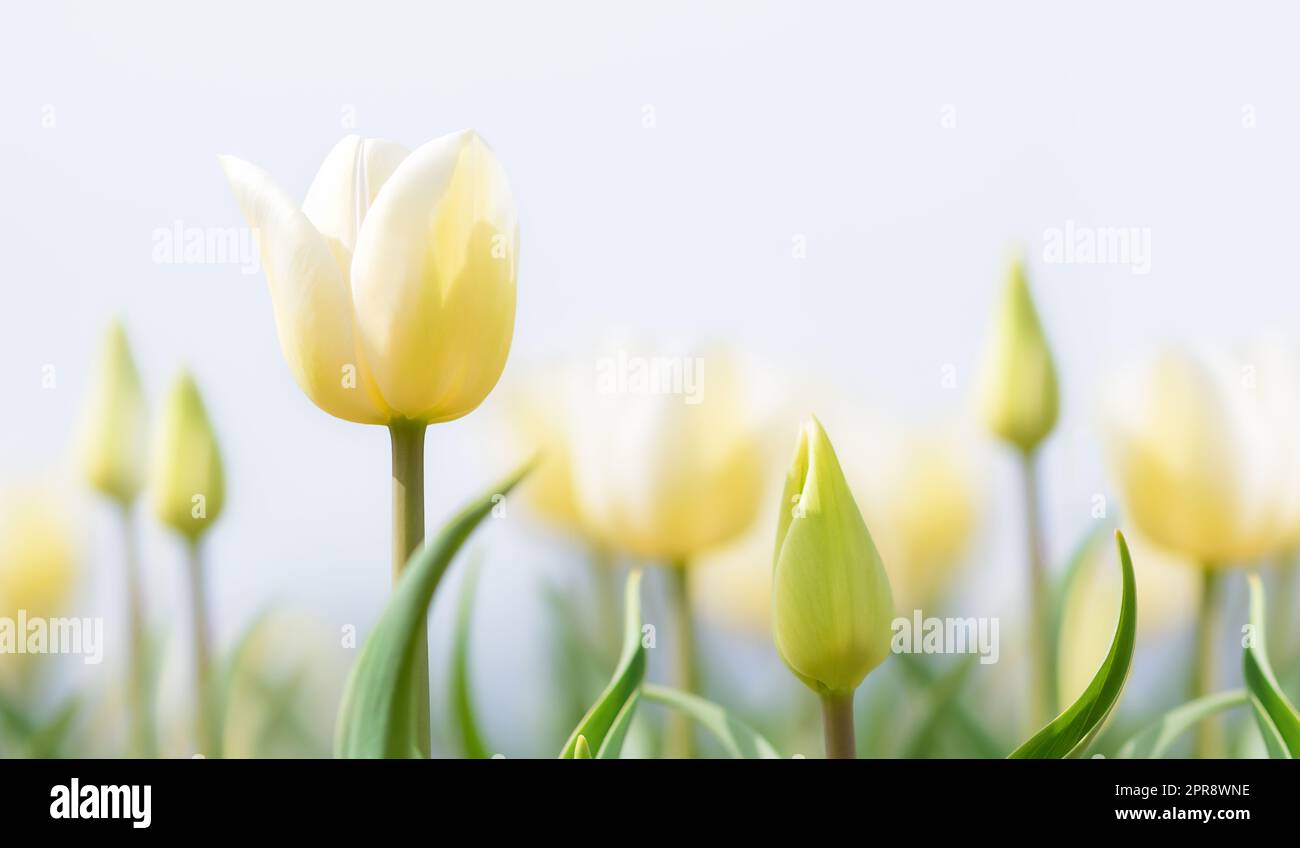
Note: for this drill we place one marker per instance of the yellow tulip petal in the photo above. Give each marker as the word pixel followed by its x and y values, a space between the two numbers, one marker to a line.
pixel 433 279
pixel 310 296
pixel 346 186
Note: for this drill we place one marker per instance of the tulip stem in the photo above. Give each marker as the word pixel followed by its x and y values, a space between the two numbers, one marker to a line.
pixel 1209 736
pixel 204 729
pixel 408 534
pixel 140 708
pixel 1042 679
pixel 682 730
pixel 837 724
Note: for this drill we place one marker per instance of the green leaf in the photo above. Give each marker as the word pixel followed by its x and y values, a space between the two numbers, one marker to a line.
pixel 740 740
pixel 1152 741
pixel 1070 732
pixel 612 747
pixel 604 715
pixel 376 718
pixel 582 751
pixel 969 726
pixel 941 697
pixel 1277 717
pixel 462 700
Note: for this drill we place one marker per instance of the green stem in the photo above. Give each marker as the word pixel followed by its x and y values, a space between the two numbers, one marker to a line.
pixel 682 729
pixel 408 534
pixel 205 740
pixel 1209 734
pixel 1042 679
pixel 139 706
pixel 837 724
pixel 1283 598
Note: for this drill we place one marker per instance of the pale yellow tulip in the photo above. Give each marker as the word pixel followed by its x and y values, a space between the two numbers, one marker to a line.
pixel 1196 460
pixel 1018 390
pixel 188 482
pixel 112 442
pixel 831 602
pixel 394 284
pixel 664 474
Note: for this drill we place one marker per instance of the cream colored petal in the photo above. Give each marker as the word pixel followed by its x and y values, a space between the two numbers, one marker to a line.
pixel 313 308
pixel 433 279
pixel 347 184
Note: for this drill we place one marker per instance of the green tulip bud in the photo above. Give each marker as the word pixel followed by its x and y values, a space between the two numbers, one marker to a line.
pixel 111 445
pixel 188 482
pixel 1018 393
pixel 831 602
pixel 581 750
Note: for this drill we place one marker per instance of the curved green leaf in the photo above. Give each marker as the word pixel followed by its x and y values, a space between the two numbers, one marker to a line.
pixel 604 715
pixel 1277 717
pixel 1152 741
pixel 612 747
pixel 462 699
pixel 376 718
pixel 1070 732
pixel 740 740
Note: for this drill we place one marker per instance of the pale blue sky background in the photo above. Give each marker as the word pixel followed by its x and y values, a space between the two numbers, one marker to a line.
pixel 771 120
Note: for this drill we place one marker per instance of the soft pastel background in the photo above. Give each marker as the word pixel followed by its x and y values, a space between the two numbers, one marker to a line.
pixel 771 121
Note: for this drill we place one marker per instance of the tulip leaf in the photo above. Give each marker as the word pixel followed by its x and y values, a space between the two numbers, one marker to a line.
pixel 462 700
pixel 612 747
pixel 740 740
pixel 967 724
pixel 603 719
pixel 1277 718
pixel 1153 741
pixel 941 697
pixel 1070 732
pixel 376 718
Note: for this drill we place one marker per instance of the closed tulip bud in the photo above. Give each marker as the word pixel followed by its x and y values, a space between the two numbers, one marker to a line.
pixel 188 483
pixel 1018 392
pixel 111 446
pixel 394 284
pixel 831 602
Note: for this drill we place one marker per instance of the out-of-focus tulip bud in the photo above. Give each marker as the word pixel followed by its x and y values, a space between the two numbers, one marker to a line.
pixel 667 474
pixel 831 602
pixel 1018 393
pixel 188 482
pixel 394 284
pixel 1196 461
pixel 112 440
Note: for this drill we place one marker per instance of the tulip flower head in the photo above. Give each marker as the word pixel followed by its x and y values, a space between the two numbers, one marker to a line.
pixel 1018 394
pixel 1196 460
pixel 112 442
pixel 666 475
pixel 188 485
pixel 394 284
pixel 831 602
